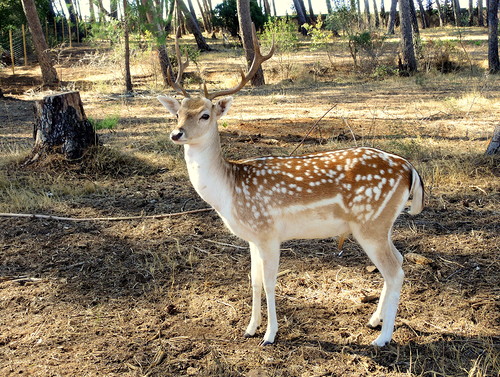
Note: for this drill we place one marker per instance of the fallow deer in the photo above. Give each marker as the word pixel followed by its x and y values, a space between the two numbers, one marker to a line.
pixel 268 200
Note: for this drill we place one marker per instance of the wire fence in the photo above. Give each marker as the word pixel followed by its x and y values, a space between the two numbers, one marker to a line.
pixel 17 48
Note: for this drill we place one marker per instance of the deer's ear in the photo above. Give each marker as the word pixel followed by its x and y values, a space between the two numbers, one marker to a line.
pixel 222 106
pixel 170 103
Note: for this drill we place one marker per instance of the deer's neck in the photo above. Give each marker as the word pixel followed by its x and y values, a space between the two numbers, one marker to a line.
pixel 210 173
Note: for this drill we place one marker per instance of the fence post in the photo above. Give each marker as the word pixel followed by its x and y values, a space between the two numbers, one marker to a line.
pixel 24 47
pixel 11 51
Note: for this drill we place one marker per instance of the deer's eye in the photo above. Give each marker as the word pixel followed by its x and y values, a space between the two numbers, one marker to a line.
pixel 205 117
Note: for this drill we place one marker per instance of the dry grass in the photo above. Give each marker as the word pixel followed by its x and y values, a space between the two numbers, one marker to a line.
pixel 172 297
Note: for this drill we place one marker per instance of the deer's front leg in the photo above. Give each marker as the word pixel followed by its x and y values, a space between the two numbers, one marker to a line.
pixel 270 256
pixel 256 275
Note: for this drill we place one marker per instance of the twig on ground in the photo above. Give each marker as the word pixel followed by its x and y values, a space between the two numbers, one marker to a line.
pixel 124 218
pixel 312 128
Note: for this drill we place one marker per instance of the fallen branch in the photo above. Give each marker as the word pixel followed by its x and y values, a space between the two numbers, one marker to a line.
pixel 312 128
pixel 124 218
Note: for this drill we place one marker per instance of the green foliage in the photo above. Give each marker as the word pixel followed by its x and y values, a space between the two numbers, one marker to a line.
pixel 441 55
pixel 283 33
pixel 321 38
pixel 343 19
pixel 110 31
pixel 226 16
pixel 107 123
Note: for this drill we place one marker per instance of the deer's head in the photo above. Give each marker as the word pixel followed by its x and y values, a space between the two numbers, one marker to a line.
pixel 197 116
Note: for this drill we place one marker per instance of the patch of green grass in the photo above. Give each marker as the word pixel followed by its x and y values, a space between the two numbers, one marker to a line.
pixel 107 123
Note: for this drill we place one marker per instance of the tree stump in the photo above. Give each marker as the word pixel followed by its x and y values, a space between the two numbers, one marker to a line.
pixel 494 146
pixel 61 127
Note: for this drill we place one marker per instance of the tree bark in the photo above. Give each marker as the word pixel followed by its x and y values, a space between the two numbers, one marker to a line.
pixel 329 7
pixel 494 145
pixel 245 22
pixel 440 11
pixel 61 127
pixel 414 20
pixel 193 26
pixel 409 61
pixel 392 17
pixel 128 76
pixel 480 18
pixel 368 18
pixel 493 59
pixel 312 16
pixel 49 74
pixel 376 14
pixel 423 14
pixel 301 17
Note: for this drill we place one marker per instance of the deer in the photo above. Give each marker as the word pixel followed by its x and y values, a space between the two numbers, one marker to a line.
pixel 265 201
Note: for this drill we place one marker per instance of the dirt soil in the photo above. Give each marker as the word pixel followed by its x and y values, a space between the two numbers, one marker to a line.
pixel 172 296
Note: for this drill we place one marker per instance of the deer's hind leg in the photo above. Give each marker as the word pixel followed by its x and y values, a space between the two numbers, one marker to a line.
pixel 388 261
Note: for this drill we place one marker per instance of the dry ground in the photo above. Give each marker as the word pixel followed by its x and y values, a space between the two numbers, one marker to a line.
pixel 171 297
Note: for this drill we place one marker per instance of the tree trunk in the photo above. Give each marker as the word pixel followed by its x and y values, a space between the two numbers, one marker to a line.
pixel 91 11
pixel 494 145
pixel 312 16
pixel 301 17
pixel 392 17
pixel 49 74
pixel 128 76
pixel 409 61
pixel 267 8
pixel 480 17
pixel 368 18
pixel 440 11
pixel 61 127
pixel 376 15
pixel 192 25
pixel 423 15
pixel 456 11
pixel 245 22
pixel 493 59
pixel 413 14
pixel 329 7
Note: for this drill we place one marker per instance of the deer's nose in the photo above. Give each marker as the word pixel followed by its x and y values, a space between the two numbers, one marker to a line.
pixel 177 134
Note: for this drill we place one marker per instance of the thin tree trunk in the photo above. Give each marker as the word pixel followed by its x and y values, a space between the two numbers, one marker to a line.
pixel 423 15
pixel 456 11
pixel 493 59
pixel 383 15
pixel 49 74
pixel 300 16
pixel 311 11
pixel 471 13
pixel 392 17
pixel 128 76
pixel 192 24
pixel 368 18
pixel 480 17
pixel 409 61
pixel 413 14
pixel 91 11
pixel 375 14
pixel 328 7
pixel 267 8
pixel 245 23
pixel 440 13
